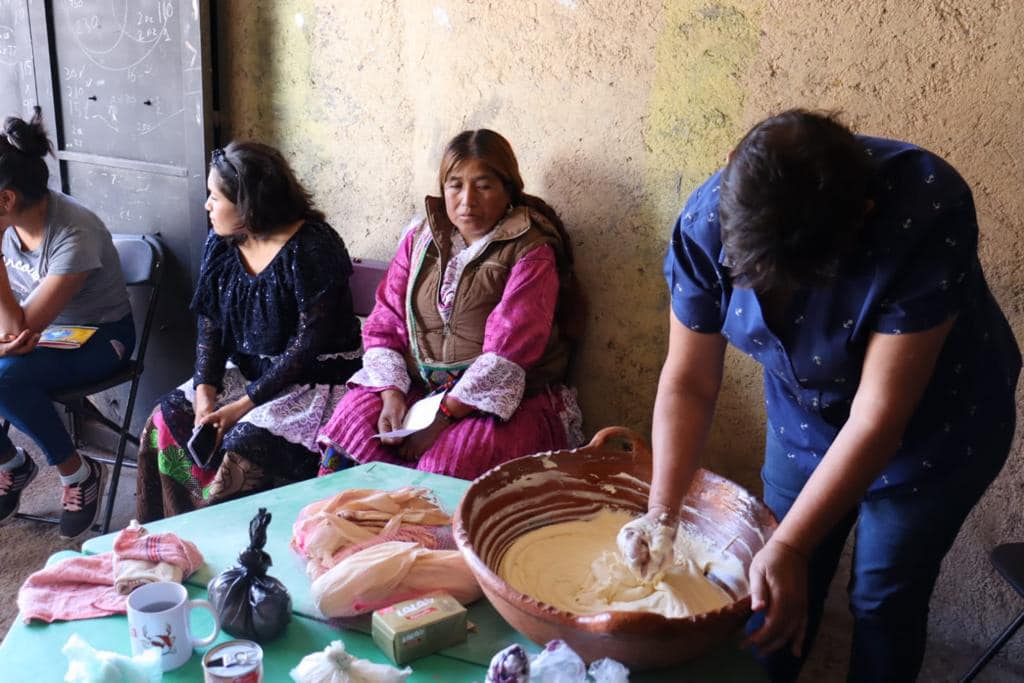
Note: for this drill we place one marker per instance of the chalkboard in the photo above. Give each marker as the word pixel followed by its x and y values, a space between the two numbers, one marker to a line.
pixel 17 70
pixel 126 92
pixel 121 77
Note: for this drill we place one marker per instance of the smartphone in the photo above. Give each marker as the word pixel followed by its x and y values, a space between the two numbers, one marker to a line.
pixel 203 444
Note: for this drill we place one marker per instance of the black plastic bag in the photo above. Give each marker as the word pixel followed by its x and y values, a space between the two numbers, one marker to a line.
pixel 251 604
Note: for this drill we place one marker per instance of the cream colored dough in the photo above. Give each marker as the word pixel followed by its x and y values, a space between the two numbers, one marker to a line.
pixel 576 567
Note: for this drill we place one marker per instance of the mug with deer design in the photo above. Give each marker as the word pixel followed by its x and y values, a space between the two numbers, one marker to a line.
pixel 159 616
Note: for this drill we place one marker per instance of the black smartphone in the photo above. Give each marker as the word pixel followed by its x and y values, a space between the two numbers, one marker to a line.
pixel 203 444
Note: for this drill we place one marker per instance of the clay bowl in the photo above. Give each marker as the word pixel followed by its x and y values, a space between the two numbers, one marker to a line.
pixel 614 470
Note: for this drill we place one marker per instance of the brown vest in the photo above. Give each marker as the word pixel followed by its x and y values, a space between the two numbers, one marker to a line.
pixel 436 346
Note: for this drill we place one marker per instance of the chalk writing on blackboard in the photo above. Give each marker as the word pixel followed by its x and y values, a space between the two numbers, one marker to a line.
pixel 142 22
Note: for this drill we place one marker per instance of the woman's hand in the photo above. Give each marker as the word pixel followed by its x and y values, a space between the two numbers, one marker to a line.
pixel 416 444
pixel 19 344
pixel 228 416
pixel 205 403
pixel 778 585
pixel 392 414
pixel 647 542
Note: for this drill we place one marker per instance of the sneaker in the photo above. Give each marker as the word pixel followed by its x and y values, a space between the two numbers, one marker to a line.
pixel 81 502
pixel 12 483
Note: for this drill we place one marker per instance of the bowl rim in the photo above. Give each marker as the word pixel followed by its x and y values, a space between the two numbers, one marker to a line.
pixel 607 621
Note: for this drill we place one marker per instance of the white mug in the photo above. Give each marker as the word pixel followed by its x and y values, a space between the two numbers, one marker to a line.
pixel 158 616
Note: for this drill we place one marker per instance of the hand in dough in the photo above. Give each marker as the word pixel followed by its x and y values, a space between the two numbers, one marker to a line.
pixel 647 542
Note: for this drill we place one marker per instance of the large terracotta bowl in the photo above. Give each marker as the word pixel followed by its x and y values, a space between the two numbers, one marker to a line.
pixel 614 470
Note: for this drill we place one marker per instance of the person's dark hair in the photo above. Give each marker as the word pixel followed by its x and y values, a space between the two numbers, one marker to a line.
pixel 793 198
pixel 263 187
pixel 23 148
pixel 495 151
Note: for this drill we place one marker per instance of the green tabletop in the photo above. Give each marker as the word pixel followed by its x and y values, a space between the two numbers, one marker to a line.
pixel 35 648
pixel 221 532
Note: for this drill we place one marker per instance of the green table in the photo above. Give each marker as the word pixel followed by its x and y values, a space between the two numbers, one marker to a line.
pixel 221 532
pixel 35 649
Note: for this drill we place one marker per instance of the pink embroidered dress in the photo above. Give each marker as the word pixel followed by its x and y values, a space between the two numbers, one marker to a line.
pixel 507 423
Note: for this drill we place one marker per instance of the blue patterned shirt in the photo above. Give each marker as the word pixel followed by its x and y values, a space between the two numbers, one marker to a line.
pixel 915 266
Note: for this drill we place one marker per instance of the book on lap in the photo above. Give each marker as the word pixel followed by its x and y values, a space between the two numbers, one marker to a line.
pixel 65 336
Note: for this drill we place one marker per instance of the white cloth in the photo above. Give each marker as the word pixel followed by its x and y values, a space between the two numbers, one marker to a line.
pixel 296 414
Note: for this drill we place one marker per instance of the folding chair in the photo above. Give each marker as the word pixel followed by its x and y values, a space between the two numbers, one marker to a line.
pixel 141 259
pixel 367 275
pixel 1008 559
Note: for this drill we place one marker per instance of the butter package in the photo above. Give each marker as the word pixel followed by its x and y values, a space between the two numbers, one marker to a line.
pixel 415 628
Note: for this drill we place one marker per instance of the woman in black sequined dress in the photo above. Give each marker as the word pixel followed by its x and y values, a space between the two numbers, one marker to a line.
pixel 277 339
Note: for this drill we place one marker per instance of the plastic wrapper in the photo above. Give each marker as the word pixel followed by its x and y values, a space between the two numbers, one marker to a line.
pixel 511 665
pixel 558 663
pixel 608 671
pixel 391 572
pixel 251 604
pixel 335 665
pixel 86 664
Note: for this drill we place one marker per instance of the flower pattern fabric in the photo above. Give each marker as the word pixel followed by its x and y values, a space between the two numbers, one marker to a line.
pixel 383 368
pixel 492 385
pixel 914 267
pixel 507 423
pixel 461 255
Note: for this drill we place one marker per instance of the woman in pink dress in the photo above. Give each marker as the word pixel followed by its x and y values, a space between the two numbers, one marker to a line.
pixel 479 304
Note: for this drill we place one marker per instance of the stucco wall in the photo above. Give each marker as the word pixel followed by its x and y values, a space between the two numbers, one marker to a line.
pixel 617 109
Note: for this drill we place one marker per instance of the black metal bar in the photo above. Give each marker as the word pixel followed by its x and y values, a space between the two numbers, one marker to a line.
pixel 994 648
pixel 119 456
pixel 46 519
pixel 156 274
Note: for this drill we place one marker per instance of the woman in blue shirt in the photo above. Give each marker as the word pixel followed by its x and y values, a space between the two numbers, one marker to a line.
pixel 847 266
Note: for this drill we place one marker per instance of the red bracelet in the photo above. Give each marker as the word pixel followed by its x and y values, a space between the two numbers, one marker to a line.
pixel 446 411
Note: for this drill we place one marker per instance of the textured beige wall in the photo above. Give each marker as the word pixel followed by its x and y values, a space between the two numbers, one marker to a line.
pixel 617 109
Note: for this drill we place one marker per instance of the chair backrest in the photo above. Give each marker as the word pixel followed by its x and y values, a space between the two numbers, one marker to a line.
pixel 142 258
pixel 366 276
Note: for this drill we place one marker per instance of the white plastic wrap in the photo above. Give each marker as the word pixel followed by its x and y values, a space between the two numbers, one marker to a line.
pixel 86 664
pixel 336 665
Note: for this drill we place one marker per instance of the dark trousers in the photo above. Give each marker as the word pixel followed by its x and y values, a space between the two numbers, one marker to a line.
pixel 27 381
pixel 900 540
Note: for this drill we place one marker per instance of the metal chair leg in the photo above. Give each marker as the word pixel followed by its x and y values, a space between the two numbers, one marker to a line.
pixel 122 440
pixel 994 648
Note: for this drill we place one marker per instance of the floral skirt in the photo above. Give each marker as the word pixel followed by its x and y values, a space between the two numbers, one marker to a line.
pixel 272 444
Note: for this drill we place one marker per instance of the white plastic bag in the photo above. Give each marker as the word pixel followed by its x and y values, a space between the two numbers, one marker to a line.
pixel 335 665
pixel 608 671
pixel 86 664
pixel 558 663
pixel 390 572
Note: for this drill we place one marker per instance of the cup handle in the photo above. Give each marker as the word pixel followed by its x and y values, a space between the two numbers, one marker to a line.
pixel 192 604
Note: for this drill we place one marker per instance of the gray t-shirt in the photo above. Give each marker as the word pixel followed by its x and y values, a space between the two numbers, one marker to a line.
pixel 75 241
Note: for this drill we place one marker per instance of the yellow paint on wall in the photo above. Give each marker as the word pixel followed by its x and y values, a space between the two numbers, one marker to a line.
pixel 702 54
pixel 297 116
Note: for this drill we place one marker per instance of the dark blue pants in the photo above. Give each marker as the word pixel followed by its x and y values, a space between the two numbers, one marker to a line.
pixel 900 540
pixel 26 383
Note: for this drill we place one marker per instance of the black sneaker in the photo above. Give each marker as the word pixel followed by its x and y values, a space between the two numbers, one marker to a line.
pixel 81 502
pixel 12 483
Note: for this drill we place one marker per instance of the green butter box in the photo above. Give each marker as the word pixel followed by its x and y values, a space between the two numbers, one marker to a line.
pixel 415 628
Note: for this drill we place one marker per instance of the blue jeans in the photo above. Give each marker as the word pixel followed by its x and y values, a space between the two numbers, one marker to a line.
pixel 901 538
pixel 26 383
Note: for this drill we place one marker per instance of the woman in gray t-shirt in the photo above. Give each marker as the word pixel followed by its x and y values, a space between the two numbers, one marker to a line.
pixel 60 267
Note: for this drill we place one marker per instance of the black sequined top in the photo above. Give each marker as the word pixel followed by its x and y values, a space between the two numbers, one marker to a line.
pixel 292 323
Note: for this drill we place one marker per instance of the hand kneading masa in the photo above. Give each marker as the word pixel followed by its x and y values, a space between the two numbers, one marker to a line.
pixel 576 567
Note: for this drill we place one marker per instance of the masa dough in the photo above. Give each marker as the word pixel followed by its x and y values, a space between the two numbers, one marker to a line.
pixel 576 567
